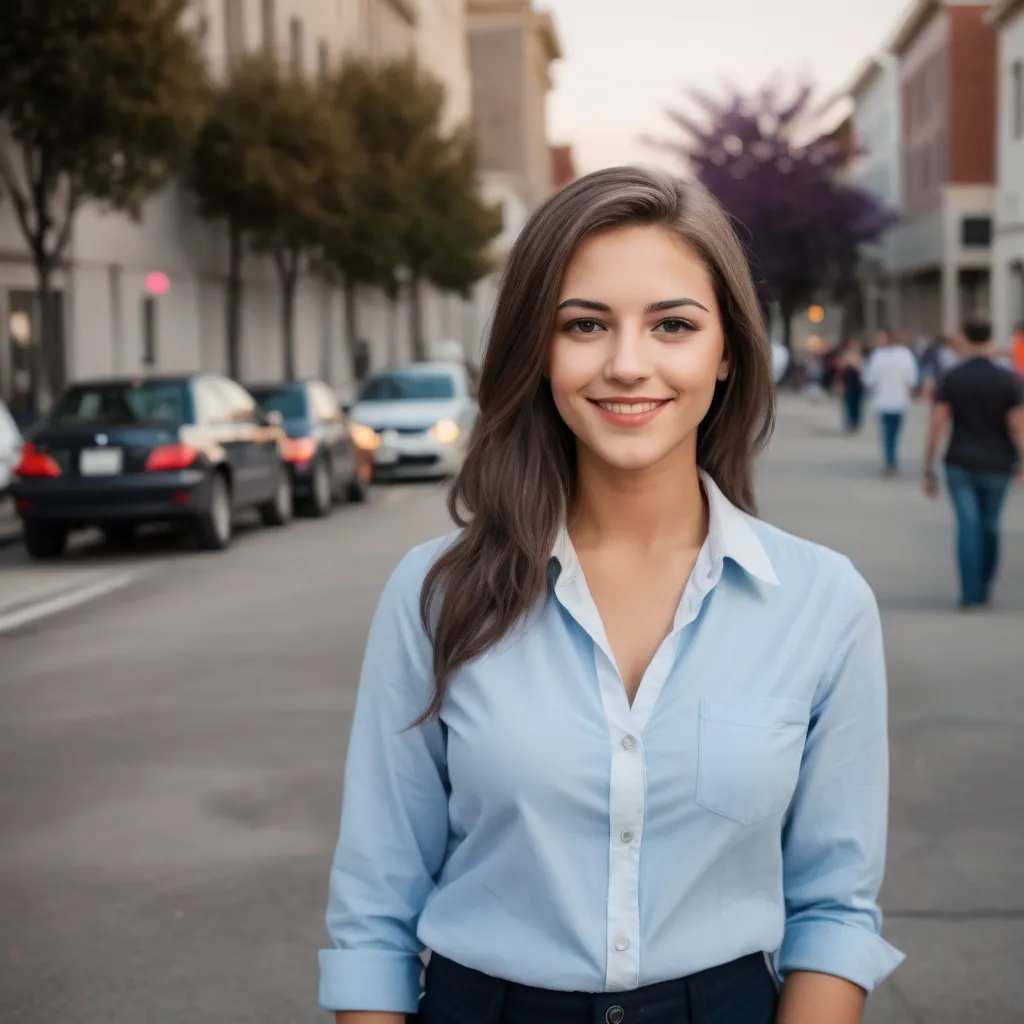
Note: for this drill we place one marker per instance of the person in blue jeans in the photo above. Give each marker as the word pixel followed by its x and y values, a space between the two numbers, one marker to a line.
pixel 891 374
pixel 984 404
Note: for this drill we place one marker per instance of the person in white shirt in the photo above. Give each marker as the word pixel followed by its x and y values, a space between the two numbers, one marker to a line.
pixel 892 375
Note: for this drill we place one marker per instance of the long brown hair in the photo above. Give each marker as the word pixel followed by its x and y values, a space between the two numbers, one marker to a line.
pixel 518 480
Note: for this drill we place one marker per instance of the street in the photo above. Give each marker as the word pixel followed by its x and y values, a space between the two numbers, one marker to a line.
pixel 171 753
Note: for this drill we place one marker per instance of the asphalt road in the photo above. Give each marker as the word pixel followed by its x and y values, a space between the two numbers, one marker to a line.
pixel 170 756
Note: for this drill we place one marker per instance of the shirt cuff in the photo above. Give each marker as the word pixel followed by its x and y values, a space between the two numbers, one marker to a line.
pixel 842 950
pixel 372 980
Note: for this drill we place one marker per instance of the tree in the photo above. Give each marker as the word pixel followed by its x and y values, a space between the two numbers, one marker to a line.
pixel 766 159
pixel 274 161
pixel 420 185
pixel 101 100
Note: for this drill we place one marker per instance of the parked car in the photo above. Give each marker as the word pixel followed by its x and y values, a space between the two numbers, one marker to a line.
pixel 119 453
pixel 10 448
pixel 423 413
pixel 325 457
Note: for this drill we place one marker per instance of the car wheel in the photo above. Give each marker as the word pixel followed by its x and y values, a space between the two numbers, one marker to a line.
pixel 214 527
pixel 44 541
pixel 321 499
pixel 278 511
pixel 118 534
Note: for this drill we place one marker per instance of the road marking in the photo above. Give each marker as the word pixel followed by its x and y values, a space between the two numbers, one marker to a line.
pixel 62 602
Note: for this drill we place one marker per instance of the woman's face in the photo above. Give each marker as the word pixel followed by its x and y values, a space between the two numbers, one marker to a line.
pixel 637 348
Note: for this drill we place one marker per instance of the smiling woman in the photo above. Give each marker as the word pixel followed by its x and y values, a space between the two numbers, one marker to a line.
pixel 620 747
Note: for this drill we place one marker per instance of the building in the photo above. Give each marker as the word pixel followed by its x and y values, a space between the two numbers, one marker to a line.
pixel 563 167
pixel 511 47
pixel 103 290
pixel 941 250
pixel 875 92
pixel 1007 19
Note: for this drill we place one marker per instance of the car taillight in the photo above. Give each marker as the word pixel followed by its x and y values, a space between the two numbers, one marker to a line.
pixel 35 463
pixel 169 457
pixel 299 449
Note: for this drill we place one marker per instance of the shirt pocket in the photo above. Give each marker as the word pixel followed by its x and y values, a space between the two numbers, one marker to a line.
pixel 749 754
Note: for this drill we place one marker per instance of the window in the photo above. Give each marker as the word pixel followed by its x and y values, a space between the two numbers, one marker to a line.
pixel 408 387
pixel 211 406
pixel 1017 99
pixel 123 405
pixel 269 27
pixel 323 58
pixel 325 405
pixel 234 29
pixel 297 45
pixel 241 405
pixel 288 400
pixel 976 232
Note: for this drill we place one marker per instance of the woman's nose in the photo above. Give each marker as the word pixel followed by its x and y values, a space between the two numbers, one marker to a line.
pixel 628 360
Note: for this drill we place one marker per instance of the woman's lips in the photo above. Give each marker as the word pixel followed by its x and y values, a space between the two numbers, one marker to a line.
pixel 631 412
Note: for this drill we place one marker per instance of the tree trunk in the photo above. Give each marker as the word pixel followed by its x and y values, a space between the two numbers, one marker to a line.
pixel 351 324
pixel 419 348
pixel 48 368
pixel 289 280
pixel 233 336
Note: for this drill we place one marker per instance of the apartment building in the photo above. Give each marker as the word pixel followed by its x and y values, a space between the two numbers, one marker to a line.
pixel 104 285
pixel 1007 20
pixel 941 250
pixel 875 91
pixel 512 47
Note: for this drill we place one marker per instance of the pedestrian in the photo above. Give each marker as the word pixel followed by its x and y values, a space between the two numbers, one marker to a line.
pixel 850 379
pixel 940 357
pixel 984 404
pixel 891 374
pixel 619 750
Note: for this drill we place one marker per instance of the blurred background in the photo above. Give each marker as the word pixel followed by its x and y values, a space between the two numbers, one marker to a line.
pixel 249 250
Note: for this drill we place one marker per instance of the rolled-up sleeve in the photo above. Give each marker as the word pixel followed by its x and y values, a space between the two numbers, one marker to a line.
pixel 394 821
pixel 835 837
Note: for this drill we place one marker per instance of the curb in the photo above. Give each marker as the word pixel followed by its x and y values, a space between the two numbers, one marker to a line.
pixel 24 615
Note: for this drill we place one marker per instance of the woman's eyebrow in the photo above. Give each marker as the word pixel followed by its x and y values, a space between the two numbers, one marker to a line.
pixel 654 307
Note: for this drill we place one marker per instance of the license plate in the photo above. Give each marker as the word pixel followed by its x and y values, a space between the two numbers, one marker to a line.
pixel 387 453
pixel 100 461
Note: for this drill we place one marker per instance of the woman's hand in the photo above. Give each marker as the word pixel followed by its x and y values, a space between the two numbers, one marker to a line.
pixel 809 998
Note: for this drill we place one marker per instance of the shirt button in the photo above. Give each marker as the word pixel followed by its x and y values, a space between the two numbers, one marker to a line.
pixel 626 835
pixel 615 1015
pixel 622 943
pixel 629 742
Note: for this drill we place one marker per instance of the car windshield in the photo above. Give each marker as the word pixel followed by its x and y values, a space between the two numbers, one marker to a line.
pixel 408 387
pixel 289 402
pixel 123 404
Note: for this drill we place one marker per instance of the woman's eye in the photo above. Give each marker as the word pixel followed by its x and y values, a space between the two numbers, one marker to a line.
pixel 584 326
pixel 673 325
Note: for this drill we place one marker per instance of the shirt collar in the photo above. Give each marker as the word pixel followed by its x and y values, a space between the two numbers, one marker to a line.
pixel 730 535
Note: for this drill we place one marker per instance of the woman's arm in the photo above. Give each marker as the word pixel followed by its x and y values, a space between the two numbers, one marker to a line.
pixel 394 819
pixel 809 998
pixel 834 839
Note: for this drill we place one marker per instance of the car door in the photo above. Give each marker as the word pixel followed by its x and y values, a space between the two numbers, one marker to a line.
pixel 333 433
pixel 259 446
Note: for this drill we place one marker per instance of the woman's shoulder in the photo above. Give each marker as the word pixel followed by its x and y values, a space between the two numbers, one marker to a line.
pixel 407 578
pixel 805 566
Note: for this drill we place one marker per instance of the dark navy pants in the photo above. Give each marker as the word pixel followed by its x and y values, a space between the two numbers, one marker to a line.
pixel 741 992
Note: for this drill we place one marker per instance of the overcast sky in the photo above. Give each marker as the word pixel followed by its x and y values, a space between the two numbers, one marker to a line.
pixel 626 60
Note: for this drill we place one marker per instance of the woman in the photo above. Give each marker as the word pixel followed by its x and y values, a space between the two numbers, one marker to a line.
pixel 617 742
pixel 850 365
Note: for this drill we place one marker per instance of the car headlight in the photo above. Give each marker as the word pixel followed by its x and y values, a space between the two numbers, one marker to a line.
pixel 445 432
pixel 364 437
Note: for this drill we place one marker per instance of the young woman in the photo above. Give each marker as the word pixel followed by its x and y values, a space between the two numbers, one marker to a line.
pixel 619 751
pixel 850 365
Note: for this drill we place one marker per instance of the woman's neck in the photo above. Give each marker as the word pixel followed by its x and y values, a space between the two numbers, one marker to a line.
pixel 660 507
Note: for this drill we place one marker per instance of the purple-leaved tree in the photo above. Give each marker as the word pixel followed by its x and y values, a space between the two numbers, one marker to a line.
pixel 781 178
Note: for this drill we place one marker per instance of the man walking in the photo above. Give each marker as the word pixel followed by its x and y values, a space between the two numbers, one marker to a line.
pixel 891 374
pixel 984 404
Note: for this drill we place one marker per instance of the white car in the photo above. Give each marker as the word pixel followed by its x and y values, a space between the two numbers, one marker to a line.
pixel 10 448
pixel 423 415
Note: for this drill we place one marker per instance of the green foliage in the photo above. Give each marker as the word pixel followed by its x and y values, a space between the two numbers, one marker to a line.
pixel 102 99
pixel 276 161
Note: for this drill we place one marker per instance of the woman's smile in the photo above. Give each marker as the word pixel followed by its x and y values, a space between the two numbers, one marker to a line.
pixel 629 412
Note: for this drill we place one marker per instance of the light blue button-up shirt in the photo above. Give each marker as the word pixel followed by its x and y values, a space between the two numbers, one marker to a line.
pixel 546 832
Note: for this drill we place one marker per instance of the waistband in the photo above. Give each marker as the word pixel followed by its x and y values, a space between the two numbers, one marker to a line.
pixel 457 993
